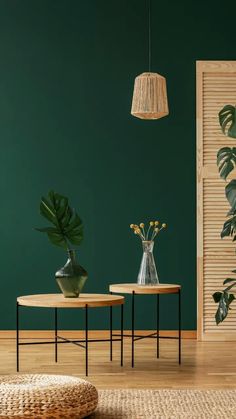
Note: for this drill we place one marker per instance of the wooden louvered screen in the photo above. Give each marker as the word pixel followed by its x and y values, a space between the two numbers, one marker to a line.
pixel 216 87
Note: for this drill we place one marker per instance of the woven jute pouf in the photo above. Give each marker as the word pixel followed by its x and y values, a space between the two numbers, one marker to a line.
pixel 46 396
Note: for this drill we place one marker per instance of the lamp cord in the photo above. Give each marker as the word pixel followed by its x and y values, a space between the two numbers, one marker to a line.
pixel 149 36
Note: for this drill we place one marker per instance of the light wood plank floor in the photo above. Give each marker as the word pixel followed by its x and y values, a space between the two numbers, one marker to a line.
pixel 205 364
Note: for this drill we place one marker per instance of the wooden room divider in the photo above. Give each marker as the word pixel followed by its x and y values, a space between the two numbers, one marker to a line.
pixel 216 257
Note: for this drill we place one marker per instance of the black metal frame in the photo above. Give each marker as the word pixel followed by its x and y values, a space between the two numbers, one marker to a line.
pixel 155 335
pixel 83 343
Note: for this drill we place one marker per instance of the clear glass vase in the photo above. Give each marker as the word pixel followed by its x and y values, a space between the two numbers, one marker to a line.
pixel 71 277
pixel 147 272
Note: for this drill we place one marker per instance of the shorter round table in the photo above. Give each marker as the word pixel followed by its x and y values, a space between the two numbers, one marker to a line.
pixel 56 301
pixel 134 289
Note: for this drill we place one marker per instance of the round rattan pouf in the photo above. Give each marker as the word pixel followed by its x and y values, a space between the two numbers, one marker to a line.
pixel 46 396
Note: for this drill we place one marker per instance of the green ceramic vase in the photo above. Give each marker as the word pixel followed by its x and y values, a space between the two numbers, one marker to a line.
pixel 71 277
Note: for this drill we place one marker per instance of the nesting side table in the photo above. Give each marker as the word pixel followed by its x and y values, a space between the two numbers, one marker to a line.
pixel 56 301
pixel 135 289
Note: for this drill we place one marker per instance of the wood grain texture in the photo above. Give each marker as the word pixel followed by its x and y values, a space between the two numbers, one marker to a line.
pixel 145 289
pixel 216 87
pixel 58 300
pixel 205 365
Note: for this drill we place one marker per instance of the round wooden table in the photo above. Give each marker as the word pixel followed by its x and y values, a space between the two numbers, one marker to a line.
pixel 134 289
pixel 84 301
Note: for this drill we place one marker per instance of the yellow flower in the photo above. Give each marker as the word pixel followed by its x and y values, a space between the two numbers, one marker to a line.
pixel 131 225
pixel 156 230
pixel 151 223
pixel 136 231
pixel 141 225
pixel 156 223
pixel 164 225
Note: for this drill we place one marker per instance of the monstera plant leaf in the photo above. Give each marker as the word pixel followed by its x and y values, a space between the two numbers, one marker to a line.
pixel 226 161
pixel 229 228
pixel 67 226
pixel 227 120
pixel 230 192
pixel 224 299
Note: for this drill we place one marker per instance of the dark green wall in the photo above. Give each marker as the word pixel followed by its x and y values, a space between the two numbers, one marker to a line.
pixel 66 78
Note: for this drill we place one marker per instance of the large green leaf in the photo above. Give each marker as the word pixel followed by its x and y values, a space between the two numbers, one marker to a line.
pixel 227 119
pixel 224 299
pixel 226 160
pixel 226 230
pixel 58 239
pixel 47 211
pixel 68 227
pixel 229 228
pixel 230 192
pixel 75 222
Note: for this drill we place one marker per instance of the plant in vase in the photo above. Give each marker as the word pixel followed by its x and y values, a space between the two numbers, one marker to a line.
pixel 147 272
pixel 66 232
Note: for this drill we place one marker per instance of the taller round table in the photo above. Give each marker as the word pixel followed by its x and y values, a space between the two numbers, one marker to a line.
pixel 135 289
pixel 56 301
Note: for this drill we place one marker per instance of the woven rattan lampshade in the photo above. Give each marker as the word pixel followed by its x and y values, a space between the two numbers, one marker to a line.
pixel 150 96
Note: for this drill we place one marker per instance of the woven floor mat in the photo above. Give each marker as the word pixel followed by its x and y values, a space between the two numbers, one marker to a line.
pixel 166 404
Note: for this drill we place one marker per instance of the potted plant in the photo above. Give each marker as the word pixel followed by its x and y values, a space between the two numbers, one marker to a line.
pixel 66 231
pixel 226 161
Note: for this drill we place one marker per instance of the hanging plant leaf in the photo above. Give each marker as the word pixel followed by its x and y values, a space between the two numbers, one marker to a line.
pixel 230 192
pixel 227 120
pixel 226 161
pixel 229 228
pixel 68 227
pixel 224 299
pixel 226 229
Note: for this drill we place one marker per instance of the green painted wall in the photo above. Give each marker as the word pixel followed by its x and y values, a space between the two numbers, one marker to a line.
pixel 66 77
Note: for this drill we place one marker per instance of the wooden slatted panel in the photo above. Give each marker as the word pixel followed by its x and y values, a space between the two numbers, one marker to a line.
pixel 219 255
pixel 216 87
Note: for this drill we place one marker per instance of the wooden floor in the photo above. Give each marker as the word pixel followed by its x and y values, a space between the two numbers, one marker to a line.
pixel 205 365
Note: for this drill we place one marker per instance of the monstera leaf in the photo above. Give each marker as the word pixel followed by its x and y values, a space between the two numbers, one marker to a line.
pixel 229 226
pixel 67 226
pixel 227 119
pixel 226 161
pixel 230 192
pixel 224 299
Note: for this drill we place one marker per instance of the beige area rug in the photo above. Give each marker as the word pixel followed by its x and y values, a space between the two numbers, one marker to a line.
pixel 171 404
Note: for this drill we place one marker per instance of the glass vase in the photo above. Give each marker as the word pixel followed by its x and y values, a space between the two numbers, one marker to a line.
pixel 71 277
pixel 147 272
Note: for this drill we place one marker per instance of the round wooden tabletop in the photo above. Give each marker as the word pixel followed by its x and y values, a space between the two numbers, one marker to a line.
pixel 58 300
pixel 145 289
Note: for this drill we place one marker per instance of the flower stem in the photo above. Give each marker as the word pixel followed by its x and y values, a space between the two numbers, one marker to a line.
pixel 148 232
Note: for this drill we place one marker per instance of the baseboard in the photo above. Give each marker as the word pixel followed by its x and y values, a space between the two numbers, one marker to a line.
pixel 49 334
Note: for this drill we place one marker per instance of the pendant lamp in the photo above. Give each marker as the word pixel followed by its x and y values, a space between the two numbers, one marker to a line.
pixel 150 94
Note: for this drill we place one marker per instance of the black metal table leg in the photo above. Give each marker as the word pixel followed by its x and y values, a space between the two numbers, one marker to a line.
pixel 121 334
pixel 133 293
pixel 158 326
pixel 17 336
pixel 55 334
pixel 86 339
pixel 111 332
pixel 179 326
